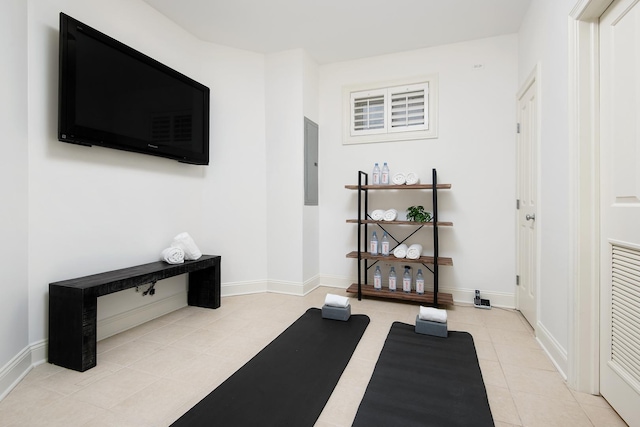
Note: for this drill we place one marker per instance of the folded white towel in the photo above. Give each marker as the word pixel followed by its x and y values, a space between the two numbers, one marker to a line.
pixel 336 301
pixel 414 251
pixel 377 215
pixel 433 314
pixel 399 179
pixel 400 251
pixel 390 215
pixel 173 255
pixel 413 178
pixel 186 243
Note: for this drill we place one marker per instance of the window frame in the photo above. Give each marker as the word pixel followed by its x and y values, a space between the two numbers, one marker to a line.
pixel 387 133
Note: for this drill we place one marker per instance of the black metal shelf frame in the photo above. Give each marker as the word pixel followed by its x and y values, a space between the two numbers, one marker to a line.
pixel 363 209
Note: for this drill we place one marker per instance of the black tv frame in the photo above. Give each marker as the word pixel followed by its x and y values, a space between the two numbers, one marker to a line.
pixel 69 131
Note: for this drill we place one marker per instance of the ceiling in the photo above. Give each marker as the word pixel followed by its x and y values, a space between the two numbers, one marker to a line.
pixel 340 30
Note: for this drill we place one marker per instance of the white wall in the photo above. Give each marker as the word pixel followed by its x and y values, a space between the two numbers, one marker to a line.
pixel 475 152
pixel 311 219
pixel 285 154
pixel 14 165
pixel 96 209
pixel 543 40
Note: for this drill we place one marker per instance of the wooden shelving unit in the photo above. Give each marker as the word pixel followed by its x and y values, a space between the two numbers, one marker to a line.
pixel 366 260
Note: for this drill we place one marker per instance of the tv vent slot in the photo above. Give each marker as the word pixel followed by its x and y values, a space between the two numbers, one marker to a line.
pixel 182 128
pixel 161 129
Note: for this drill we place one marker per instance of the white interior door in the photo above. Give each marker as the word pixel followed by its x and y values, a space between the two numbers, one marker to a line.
pixel 527 189
pixel 620 208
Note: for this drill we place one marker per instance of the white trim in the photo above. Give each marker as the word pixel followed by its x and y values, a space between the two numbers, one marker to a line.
pixel 14 371
pixel 583 364
pixel 121 322
pixel 554 350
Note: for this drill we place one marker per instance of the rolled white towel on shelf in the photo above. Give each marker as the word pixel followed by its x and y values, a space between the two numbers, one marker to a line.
pixel 413 178
pixel 414 251
pixel 399 179
pixel 400 251
pixel 186 243
pixel 173 255
pixel 336 301
pixel 390 215
pixel 433 314
pixel 377 215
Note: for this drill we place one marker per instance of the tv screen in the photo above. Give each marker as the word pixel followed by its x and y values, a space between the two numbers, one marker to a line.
pixel 114 96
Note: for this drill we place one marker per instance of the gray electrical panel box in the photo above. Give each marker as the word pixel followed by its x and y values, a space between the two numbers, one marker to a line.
pixel 310 163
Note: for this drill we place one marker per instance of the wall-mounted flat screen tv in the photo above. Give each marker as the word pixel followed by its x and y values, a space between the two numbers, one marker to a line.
pixel 113 96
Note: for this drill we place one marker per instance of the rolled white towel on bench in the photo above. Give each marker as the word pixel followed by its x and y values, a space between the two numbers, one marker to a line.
pixel 400 251
pixel 186 243
pixel 399 179
pixel 414 251
pixel 390 215
pixel 413 178
pixel 433 314
pixel 377 215
pixel 336 301
pixel 173 255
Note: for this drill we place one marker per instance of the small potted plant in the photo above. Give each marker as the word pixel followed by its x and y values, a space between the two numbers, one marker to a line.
pixel 418 214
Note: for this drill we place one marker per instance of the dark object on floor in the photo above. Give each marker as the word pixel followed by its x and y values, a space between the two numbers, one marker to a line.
pixel 289 382
pixel 422 380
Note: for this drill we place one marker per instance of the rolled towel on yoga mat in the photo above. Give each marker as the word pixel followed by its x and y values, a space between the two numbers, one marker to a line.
pixel 173 255
pixel 414 251
pixel 399 179
pixel 377 215
pixel 400 251
pixel 336 301
pixel 433 314
pixel 413 178
pixel 390 215
pixel 186 243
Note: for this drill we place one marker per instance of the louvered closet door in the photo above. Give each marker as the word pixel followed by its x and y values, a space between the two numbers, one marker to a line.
pixel 620 208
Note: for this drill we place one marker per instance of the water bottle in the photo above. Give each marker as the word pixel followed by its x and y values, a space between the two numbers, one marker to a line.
pixel 377 279
pixel 406 280
pixel 392 280
pixel 373 245
pixel 376 174
pixel 384 245
pixel 384 178
pixel 419 283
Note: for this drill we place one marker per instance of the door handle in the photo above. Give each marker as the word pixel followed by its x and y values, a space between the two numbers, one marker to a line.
pixel 530 217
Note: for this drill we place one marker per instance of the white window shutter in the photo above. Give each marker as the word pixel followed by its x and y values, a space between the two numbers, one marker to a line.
pixel 368 112
pixel 399 110
pixel 409 108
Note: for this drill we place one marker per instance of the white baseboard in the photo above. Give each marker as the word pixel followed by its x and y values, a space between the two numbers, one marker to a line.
pixel 554 350
pixel 13 372
pixel 129 319
pixel 465 296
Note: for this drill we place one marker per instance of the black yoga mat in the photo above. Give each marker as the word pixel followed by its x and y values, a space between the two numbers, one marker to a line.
pixel 289 382
pixel 422 380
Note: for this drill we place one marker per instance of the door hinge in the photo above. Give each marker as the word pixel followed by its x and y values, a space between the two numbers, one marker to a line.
pixel 517 280
pixel 517 203
pixel 517 127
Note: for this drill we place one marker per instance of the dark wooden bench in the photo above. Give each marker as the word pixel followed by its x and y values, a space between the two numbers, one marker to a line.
pixel 73 303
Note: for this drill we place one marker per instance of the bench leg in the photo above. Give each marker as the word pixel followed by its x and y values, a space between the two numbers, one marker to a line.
pixel 72 328
pixel 204 287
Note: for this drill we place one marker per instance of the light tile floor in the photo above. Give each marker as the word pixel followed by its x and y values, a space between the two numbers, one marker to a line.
pixel 152 374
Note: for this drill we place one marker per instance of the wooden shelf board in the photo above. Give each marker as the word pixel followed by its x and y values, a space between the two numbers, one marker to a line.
pixel 427 224
pixel 391 258
pixel 400 187
pixel 426 298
